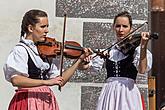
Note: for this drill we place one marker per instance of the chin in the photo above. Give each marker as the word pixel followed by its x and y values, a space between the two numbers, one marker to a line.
pixel 42 39
pixel 120 38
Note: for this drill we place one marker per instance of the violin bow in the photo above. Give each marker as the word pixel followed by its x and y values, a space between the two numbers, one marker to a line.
pixel 62 49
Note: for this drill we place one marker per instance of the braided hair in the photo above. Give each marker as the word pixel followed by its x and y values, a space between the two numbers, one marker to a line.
pixel 31 18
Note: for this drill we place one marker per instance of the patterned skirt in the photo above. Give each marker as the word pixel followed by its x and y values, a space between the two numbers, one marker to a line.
pixel 120 93
pixel 36 98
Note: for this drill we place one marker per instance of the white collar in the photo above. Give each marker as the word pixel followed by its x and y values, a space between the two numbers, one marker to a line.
pixel 27 41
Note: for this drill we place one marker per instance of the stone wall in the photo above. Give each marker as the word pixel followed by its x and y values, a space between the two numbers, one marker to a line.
pixel 97 32
pixel 89 22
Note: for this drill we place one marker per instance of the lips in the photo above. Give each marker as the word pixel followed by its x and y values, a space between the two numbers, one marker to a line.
pixel 120 35
pixel 44 35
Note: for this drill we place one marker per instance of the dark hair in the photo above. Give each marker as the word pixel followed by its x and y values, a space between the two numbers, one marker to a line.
pixel 31 18
pixel 124 14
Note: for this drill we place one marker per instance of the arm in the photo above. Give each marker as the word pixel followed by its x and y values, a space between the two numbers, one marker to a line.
pixel 67 74
pixel 22 81
pixel 16 70
pixel 143 53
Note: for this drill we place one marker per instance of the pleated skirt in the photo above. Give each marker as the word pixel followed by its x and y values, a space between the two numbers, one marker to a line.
pixel 36 98
pixel 120 93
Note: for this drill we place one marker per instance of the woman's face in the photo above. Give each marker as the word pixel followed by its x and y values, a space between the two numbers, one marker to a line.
pixel 40 30
pixel 122 27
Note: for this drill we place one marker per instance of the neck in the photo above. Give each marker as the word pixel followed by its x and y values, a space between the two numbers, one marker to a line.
pixel 29 37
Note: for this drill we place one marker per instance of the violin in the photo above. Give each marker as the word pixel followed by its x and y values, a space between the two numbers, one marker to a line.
pixel 71 49
pixel 131 42
pixel 52 48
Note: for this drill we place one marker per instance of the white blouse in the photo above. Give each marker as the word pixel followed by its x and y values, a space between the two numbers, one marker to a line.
pixel 16 63
pixel 115 55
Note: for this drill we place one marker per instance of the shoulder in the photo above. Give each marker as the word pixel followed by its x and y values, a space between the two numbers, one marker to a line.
pixel 19 49
pixel 20 46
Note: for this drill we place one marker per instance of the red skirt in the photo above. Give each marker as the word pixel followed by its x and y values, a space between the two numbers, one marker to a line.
pixel 37 98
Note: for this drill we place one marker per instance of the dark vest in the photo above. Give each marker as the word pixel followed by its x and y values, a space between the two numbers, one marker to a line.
pixel 122 68
pixel 33 71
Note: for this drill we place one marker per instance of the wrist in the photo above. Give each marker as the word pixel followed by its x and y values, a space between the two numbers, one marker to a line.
pixel 80 59
pixel 44 82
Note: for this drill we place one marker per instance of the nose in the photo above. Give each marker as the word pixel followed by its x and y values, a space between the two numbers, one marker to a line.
pixel 121 28
pixel 46 30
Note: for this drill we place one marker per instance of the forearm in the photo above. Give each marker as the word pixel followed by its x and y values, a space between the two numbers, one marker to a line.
pixel 67 74
pixel 143 52
pixel 143 60
pixel 21 81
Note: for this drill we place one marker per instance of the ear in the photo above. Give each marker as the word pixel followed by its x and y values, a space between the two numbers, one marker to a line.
pixel 30 28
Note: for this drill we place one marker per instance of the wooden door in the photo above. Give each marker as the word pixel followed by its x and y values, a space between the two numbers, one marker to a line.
pixel 158 50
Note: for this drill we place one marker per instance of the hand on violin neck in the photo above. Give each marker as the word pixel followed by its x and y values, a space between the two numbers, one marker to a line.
pixel 85 63
pixel 144 40
pixel 145 36
pixel 85 58
pixel 103 54
pixel 86 53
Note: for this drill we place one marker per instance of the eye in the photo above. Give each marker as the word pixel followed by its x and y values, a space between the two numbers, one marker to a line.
pixel 43 26
pixel 117 26
pixel 125 26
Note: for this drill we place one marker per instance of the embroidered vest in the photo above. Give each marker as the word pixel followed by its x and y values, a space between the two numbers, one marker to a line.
pixel 122 68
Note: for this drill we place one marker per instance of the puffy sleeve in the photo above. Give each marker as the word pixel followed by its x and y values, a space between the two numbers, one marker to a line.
pixel 54 69
pixel 16 63
pixel 96 64
pixel 137 59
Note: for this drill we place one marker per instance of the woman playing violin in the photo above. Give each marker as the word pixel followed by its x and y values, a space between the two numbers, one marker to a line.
pixel 120 91
pixel 32 74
